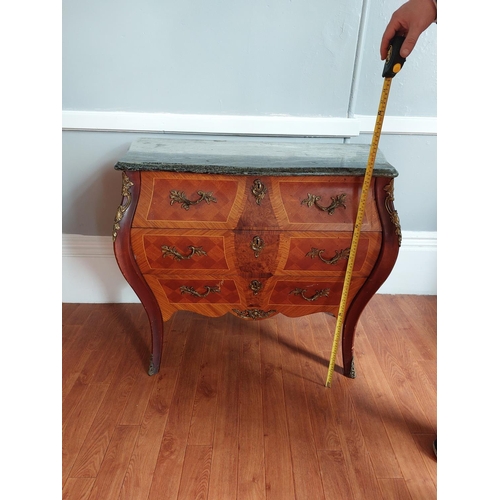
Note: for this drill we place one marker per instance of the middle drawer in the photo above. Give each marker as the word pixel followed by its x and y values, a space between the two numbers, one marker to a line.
pixel 251 254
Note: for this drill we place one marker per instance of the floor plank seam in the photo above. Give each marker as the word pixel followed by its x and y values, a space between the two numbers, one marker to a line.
pixel 317 448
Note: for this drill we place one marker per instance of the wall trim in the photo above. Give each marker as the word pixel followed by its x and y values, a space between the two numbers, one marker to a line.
pixel 90 273
pixel 399 125
pixel 209 124
pixel 295 126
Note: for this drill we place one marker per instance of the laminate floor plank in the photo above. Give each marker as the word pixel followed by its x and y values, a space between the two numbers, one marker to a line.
pixel 408 455
pixel 135 329
pixel 202 426
pixel 359 463
pixel 114 465
pixel 174 340
pixel 336 481
pixel 307 475
pixel 196 473
pixel 277 453
pixel 429 368
pixel 322 329
pixel 394 358
pixel 67 312
pixel 424 384
pixel 100 345
pixel 102 325
pixel 168 471
pixel 104 370
pixel 408 353
pixel 251 463
pixel 424 444
pixel 74 360
pixel 421 314
pixel 417 350
pixel 421 309
pixel 400 328
pixel 72 399
pixel 377 442
pixel 73 338
pixel 138 399
pixel 119 356
pixel 224 473
pixel 78 424
pixel 94 447
pixel 142 464
pixel 78 488
pixel 394 489
pixel 421 488
pixel 239 409
pixel 138 336
pixel 76 314
pixel 324 428
pixel 69 335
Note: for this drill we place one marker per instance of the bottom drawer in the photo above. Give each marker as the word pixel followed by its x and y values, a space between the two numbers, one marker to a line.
pixel 195 291
pixel 207 296
pixel 292 296
pixel 312 292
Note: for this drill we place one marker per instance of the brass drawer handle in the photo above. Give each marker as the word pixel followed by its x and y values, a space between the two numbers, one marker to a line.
pixel 258 190
pixel 339 254
pixel 192 291
pixel 172 252
pixel 317 295
pixel 180 197
pixel 337 201
pixel 257 245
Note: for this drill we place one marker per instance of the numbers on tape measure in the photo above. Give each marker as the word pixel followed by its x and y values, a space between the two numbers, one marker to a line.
pixel 357 225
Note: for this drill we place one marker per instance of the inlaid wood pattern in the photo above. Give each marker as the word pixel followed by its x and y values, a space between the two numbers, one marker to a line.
pixel 283 292
pixel 161 250
pixel 320 255
pixel 239 409
pixel 184 231
pixel 293 211
pixel 156 206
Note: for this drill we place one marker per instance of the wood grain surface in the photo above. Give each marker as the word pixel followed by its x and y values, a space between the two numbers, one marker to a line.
pixel 240 411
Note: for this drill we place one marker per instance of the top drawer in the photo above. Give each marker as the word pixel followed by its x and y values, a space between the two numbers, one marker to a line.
pixel 214 201
pixel 186 200
pixel 323 203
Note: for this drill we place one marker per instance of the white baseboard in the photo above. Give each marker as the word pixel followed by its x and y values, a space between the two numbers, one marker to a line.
pixel 90 273
pixel 415 271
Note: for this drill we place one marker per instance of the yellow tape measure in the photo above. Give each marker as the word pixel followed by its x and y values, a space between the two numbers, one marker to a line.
pixel 392 66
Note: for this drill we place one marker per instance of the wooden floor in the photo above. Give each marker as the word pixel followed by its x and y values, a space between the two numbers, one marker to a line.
pixel 239 409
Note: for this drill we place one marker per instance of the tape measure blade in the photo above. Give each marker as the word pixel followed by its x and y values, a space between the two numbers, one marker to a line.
pixel 372 155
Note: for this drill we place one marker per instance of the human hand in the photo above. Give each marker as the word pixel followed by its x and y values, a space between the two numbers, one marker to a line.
pixel 410 20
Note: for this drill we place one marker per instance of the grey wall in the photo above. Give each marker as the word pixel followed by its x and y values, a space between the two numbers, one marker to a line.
pixel 210 57
pixel 235 57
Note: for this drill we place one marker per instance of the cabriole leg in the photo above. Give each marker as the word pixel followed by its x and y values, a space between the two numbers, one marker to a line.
pixel 131 183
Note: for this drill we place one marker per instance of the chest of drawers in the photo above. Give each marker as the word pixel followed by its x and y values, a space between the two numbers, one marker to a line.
pixel 252 229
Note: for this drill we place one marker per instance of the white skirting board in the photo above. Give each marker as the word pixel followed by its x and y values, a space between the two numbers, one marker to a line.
pixel 90 273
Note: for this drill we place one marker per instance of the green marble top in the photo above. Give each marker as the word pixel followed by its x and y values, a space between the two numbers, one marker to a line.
pixel 252 158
